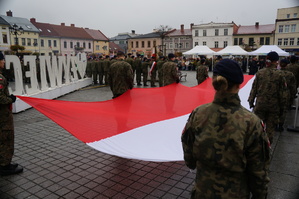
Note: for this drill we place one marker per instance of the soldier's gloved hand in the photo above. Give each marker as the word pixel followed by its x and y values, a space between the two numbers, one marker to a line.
pixel 177 81
pixel 13 98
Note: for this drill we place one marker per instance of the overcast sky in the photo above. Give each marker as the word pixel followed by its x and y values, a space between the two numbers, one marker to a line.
pixel 118 16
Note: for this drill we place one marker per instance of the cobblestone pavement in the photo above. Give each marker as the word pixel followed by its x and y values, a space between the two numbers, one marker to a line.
pixel 57 165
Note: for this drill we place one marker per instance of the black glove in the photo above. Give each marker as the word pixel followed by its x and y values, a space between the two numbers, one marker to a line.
pixel 177 81
pixel 13 98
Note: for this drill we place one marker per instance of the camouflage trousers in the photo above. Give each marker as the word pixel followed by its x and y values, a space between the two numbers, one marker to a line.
pixel 6 146
pixel 270 119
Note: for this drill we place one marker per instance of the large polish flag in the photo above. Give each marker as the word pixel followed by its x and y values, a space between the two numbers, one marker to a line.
pixel 143 123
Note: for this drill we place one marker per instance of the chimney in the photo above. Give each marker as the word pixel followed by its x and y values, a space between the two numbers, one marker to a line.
pixel 256 24
pixel 32 20
pixel 182 27
pixel 72 25
pixel 62 24
pixel 191 25
pixel 133 32
pixel 9 13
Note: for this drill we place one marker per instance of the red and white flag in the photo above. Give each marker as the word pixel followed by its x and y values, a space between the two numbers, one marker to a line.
pixel 144 124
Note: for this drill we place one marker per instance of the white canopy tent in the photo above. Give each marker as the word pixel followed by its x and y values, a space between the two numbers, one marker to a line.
pixel 199 50
pixel 265 49
pixel 232 50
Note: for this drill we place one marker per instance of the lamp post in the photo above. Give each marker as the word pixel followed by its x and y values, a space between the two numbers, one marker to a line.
pixel 16 30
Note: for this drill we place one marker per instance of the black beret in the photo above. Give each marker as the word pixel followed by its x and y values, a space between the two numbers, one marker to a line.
pixel 171 55
pixel 229 69
pixel 273 56
pixel 1 56
pixel 285 61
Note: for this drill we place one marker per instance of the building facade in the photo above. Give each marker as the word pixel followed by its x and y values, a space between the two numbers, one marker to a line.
pixel 252 37
pixel 214 35
pixel 287 29
pixel 100 42
pixel 122 40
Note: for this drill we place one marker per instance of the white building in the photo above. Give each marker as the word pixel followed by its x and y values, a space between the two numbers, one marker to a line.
pixel 214 35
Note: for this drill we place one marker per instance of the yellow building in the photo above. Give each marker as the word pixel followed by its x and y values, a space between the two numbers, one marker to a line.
pixel 100 42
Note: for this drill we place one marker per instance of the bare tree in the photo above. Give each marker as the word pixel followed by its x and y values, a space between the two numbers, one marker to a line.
pixel 163 30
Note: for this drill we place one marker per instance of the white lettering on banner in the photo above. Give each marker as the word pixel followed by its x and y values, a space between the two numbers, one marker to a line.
pixel 59 69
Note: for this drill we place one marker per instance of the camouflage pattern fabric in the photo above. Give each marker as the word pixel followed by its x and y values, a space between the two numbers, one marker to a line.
pixel 229 149
pixel 160 72
pixel 294 68
pixel 268 89
pixel 137 66
pixel 201 73
pixel 170 73
pixel 145 66
pixel 106 65
pixel 120 78
pixel 6 124
pixel 101 70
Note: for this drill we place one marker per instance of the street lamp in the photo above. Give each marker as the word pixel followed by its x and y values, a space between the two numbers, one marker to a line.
pixel 16 30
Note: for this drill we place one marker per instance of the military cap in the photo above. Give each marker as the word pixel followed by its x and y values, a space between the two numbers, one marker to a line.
pixel 1 56
pixel 273 56
pixel 229 69
pixel 171 55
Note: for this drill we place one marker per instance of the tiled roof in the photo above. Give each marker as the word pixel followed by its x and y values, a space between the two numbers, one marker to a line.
pixel 115 46
pixel 149 35
pixel 256 29
pixel 21 22
pixel 178 32
pixel 71 32
pixel 96 34
pixel 45 29
pixel 3 22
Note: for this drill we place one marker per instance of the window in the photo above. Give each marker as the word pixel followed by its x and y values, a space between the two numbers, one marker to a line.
pixel 224 44
pixel 28 42
pixel 97 47
pixel 196 33
pixel 121 42
pixel 251 41
pixel 286 28
pixel 280 28
pixel 42 43
pixel 225 31
pixel 4 38
pixel 241 41
pixel 154 43
pixel 65 44
pixel 166 45
pixel 204 33
pixel 89 45
pixel 295 15
pixel 262 40
pixel 78 44
pixel 71 44
pixel 137 45
pixel 16 40
pixel 216 44
pixel 49 43
pixel 216 32
pixel 196 43
pixel 298 41
pixel 170 45
pixel 293 28
pixel 132 44
pixel 148 44
pixel 55 43
pixel 292 41
pixel 23 42
pixel 267 41
pixel 286 41
pixel 235 41
pixel 142 44
pixel 288 16
pixel 204 43
pixel 176 45
pixel 279 42
pixel 187 45
pixel 84 45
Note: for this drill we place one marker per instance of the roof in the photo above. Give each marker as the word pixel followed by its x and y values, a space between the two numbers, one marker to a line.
pixel 96 34
pixel 121 37
pixel 149 35
pixel 178 32
pixel 45 29
pixel 21 22
pixel 3 22
pixel 256 29
pixel 71 32
pixel 115 47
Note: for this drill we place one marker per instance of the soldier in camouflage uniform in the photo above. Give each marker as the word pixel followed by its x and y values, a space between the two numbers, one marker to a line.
pixel 226 143
pixel 144 66
pixel 290 94
pixel 268 88
pixel 94 69
pixel 294 68
pixel 160 63
pixel 6 127
pixel 170 71
pixel 137 65
pixel 106 66
pixel 100 68
pixel 202 72
pixel 120 76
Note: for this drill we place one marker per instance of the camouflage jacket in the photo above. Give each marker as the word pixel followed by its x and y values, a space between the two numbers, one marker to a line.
pixel 229 148
pixel 120 77
pixel 137 64
pixel 291 84
pixel 6 118
pixel 294 68
pixel 201 73
pixel 169 73
pixel 269 89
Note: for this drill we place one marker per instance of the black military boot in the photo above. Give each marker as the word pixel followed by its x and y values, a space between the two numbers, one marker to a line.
pixel 10 169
